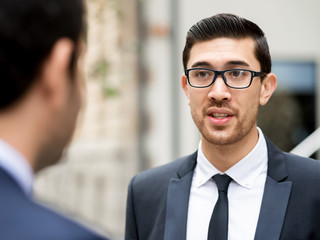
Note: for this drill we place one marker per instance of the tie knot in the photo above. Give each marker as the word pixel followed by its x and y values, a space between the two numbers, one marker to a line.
pixel 222 182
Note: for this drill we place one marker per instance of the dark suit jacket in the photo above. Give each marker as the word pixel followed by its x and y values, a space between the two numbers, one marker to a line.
pixel 157 203
pixel 23 219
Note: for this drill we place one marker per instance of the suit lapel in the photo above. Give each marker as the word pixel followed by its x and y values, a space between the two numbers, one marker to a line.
pixel 178 200
pixel 275 198
pixel 273 207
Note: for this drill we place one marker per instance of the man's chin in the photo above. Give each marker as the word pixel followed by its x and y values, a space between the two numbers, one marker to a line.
pixel 221 137
pixel 222 141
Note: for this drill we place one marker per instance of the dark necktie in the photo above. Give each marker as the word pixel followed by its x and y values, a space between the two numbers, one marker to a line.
pixel 218 227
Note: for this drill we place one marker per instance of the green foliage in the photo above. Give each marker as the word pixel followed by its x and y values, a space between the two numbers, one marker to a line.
pixel 101 72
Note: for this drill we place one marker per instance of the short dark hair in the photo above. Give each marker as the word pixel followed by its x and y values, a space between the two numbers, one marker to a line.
pixel 229 26
pixel 28 31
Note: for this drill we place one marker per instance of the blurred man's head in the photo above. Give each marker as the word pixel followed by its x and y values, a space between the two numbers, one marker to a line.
pixel 28 31
pixel 40 45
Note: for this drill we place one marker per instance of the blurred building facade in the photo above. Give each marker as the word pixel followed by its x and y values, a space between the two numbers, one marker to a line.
pixel 137 116
pixel 91 181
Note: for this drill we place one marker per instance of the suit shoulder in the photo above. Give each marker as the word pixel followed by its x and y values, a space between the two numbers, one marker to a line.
pixel 163 172
pixel 29 220
pixel 299 168
pixel 69 228
pixel 303 166
pixel 22 218
pixel 302 161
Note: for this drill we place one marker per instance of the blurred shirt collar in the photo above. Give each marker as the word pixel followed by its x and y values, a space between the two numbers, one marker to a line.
pixel 16 166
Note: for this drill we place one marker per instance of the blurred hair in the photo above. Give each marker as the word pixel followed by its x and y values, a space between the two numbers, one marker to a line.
pixel 229 26
pixel 28 31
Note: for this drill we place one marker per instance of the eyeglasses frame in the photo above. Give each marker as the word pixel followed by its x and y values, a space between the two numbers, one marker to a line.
pixel 221 73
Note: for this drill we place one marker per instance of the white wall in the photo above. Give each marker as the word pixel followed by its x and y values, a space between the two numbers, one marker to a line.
pixel 291 26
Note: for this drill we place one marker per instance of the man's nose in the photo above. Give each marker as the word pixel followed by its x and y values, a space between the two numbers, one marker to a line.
pixel 219 91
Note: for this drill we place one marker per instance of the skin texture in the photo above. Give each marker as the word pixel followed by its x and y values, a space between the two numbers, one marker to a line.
pixel 66 106
pixel 227 138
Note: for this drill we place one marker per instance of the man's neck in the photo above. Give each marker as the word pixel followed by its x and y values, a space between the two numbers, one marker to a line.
pixel 224 157
pixel 21 130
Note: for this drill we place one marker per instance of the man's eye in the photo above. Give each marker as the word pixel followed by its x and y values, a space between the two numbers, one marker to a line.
pixel 203 74
pixel 236 73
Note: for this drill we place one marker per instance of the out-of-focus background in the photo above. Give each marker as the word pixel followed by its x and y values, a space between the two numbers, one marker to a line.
pixel 137 116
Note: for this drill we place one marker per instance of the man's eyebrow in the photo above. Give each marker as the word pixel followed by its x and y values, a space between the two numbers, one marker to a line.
pixel 201 64
pixel 232 63
pixel 237 63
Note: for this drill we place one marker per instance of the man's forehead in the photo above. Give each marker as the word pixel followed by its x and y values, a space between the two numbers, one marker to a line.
pixel 227 51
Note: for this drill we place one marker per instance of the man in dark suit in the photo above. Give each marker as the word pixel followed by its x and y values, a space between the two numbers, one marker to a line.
pixel 41 48
pixel 238 185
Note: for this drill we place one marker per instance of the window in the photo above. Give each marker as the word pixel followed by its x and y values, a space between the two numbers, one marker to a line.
pixel 289 117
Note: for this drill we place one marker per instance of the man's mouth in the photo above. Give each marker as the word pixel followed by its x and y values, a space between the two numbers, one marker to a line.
pixel 219 115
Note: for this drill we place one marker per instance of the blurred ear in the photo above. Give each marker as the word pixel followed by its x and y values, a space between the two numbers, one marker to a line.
pixel 269 85
pixel 55 75
pixel 184 85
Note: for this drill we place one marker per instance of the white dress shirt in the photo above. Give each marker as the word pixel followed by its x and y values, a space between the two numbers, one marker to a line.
pixel 16 166
pixel 244 194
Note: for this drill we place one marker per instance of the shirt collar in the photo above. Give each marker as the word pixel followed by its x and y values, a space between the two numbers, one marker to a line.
pixel 16 166
pixel 245 172
pixel 204 170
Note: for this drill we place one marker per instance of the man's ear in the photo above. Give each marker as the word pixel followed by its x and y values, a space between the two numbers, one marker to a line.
pixel 184 85
pixel 55 73
pixel 268 86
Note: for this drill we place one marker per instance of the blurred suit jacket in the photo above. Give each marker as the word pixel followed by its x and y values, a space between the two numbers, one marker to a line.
pixel 21 218
pixel 157 204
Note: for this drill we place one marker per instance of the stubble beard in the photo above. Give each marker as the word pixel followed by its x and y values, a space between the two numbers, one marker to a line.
pixel 222 135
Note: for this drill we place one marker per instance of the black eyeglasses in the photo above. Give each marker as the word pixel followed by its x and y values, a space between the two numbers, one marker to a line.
pixel 233 78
